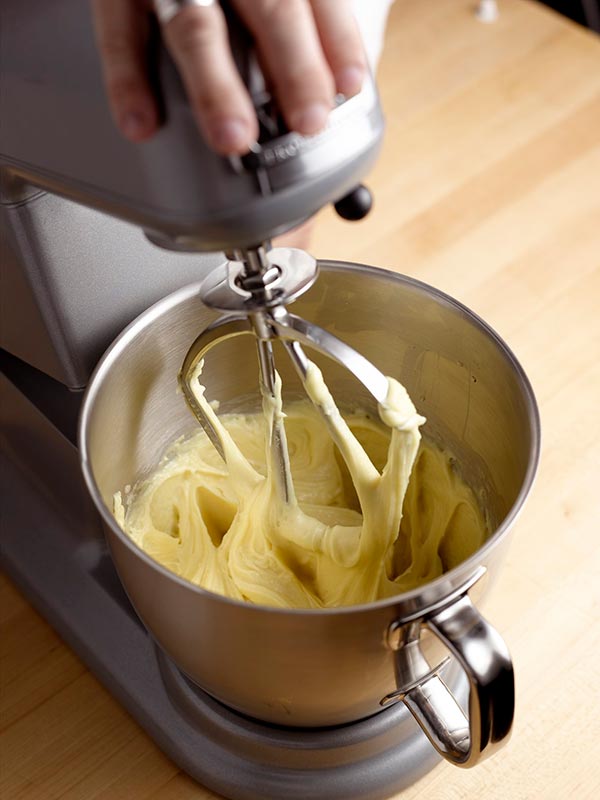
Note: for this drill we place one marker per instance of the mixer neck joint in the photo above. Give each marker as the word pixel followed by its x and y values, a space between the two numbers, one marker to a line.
pixel 259 278
pixel 253 259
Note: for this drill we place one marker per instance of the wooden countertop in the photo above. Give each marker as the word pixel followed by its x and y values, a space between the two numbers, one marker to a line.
pixel 489 188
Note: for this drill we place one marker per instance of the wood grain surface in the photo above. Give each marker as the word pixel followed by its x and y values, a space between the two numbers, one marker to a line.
pixel 488 188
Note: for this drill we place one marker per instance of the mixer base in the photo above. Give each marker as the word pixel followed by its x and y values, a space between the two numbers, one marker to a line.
pixel 54 549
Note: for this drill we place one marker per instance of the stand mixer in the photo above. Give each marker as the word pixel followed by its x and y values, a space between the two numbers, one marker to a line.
pixel 78 273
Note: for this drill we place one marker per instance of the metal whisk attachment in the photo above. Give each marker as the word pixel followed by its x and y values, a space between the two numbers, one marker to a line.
pixel 254 286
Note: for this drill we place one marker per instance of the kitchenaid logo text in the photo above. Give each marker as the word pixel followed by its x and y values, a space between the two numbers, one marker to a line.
pixel 281 152
pixel 294 144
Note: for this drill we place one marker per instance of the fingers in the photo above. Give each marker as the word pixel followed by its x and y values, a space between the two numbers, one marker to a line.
pixel 309 49
pixel 198 41
pixel 121 32
pixel 342 44
pixel 292 55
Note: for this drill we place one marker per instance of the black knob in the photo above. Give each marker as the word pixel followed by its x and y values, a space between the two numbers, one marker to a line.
pixel 356 204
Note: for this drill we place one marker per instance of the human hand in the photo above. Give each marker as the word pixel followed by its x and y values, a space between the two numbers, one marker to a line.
pixel 309 50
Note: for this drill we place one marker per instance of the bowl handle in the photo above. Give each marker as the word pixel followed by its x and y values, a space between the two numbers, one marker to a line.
pixel 483 655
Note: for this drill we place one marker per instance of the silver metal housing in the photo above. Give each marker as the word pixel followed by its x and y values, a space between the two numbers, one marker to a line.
pixel 78 277
pixel 58 135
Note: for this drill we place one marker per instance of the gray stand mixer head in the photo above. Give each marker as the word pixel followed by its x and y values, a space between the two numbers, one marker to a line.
pixel 58 137
pixel 174 187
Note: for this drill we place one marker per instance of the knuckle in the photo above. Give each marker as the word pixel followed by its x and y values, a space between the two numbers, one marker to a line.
pixel 195 32
pixel 272 12
pixel 284 11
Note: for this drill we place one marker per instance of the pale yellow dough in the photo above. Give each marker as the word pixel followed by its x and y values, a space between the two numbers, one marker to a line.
pixel 343 541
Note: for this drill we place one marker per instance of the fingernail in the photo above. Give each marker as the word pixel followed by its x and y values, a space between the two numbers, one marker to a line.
pixel 134 125
pixel 311 119
pixel 349 80
pixel 229 135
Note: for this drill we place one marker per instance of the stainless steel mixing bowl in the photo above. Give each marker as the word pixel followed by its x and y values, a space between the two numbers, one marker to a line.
pixel 320 668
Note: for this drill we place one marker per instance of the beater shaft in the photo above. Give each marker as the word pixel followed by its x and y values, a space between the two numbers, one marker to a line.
pixel 278 444
pixel 253 275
